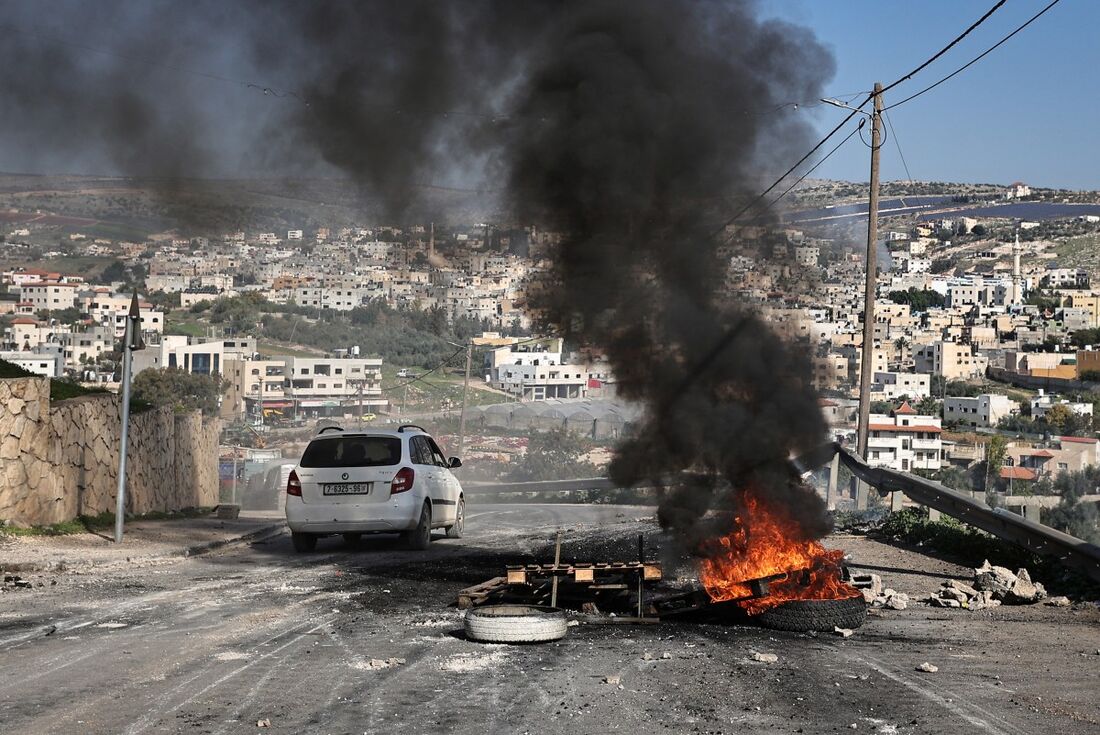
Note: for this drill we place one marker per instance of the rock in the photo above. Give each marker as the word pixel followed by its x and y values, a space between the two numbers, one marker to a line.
pixel 766 658
pixel 647 656
pixel 997 580
pixel 869 596
pixel 1024 590
pixel 897 601
pixel 613 680
pixel 1059 601
pixel 263 723
pixel 666 655
pixel 961 587
pixel 928 668
pixel 843 632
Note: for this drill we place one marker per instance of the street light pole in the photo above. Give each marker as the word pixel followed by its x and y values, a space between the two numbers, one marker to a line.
pixel 131 341
pixel 465 390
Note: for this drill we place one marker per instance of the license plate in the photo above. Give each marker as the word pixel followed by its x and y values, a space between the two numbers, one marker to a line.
pixel 346 488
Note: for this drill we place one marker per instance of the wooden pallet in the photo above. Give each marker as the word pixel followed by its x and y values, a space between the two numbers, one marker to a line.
pixel 482 593
pixel 583 573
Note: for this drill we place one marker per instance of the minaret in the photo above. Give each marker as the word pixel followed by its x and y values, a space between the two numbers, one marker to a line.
pixel 431 243
pixel 1017 290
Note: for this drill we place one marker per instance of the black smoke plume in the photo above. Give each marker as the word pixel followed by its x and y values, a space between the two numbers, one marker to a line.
pixel 642 109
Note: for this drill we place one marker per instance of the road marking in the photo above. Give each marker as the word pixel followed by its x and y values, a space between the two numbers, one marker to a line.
pixel 156 714
pixel 928 693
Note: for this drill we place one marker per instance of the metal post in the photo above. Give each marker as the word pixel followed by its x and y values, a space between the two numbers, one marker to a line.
pixel 869 293
pixel 233 492
pixel 120 492
pixel 834 477
pixel 465 390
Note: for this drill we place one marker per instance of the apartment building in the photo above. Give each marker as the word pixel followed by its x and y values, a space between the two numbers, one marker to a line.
pixel 891 386
pixel 904 440
pixel 49 295
pixel 952 360
pixel 984 410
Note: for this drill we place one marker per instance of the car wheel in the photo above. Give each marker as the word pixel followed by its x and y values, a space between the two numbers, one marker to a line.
pixel 303 542
pixel 455 531
pixel 802 616
pixel 515 624
pixel 353 539
pixel 421 537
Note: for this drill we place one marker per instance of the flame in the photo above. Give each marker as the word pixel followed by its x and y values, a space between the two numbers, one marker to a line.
pixel 767 541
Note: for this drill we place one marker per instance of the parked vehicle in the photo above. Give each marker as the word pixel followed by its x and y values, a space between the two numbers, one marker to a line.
pixel 373 481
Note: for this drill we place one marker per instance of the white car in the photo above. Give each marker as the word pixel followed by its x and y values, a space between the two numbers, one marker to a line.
pixel 373 481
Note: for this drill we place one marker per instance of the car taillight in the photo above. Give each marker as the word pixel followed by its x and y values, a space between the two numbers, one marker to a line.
pixel 402 481
pixel 293 484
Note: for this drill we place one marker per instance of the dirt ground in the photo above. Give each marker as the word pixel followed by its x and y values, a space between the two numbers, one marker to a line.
pixel 366 640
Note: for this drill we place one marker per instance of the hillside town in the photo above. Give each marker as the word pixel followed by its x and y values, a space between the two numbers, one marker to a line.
pixel 984 336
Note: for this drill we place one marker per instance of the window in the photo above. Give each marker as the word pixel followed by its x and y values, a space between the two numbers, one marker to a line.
pixel 437 453
pixel 353 451
pixel 420 452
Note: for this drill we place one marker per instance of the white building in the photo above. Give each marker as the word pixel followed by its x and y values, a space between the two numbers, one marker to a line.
pixel 891 386
pixel 293 234
pixel 49 296
pixel 904 440
pixel 1043 402
pixel 984 410
pixel 332 386
pixel 48 364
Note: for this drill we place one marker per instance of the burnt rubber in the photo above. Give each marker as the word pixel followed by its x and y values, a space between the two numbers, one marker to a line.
pixel 802 616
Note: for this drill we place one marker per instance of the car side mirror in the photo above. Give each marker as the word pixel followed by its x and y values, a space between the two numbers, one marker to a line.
pixel 454 463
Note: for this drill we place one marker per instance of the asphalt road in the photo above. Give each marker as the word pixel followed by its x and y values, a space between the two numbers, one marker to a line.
pixel 311 643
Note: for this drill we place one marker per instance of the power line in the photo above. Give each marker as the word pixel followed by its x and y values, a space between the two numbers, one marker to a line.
pixel 429 372
pixel 977 58
pixel 897 144
pixel 946 48
pixel 814 167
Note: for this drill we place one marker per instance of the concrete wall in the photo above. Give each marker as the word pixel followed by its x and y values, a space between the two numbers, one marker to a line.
pixel 59 461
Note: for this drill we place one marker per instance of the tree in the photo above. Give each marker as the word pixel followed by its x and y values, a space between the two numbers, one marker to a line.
pixel 552 455
pixel 978 230
pixel 995 453
pixel 115 271
pixel 181 390
pixel 1058 416
pixel 928 407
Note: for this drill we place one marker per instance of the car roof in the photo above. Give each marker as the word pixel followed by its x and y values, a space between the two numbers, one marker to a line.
pixel 333 431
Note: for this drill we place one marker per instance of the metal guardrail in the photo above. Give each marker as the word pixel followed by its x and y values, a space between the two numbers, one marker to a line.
pixel 1069 550
pixel 1035 537
pixel 502 488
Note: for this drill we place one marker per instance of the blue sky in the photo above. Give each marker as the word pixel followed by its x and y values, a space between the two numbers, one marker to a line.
pixel 1028 111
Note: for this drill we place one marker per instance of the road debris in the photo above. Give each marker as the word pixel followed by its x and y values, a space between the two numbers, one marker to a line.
pixel 843 632
pixel 613 679
pixel 992 586
pixel 928 668
pixel 380 663
pixel 1059 601
pixel 765 658
pixel 263 723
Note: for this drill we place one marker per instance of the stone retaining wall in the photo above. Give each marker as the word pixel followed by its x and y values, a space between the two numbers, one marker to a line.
pixel 59 461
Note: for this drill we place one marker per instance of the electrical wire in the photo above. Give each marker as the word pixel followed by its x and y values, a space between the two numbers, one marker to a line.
pixel 897 144
pixel 946 48
pixel 755 200
pixel 429 372
pixel 977 58
pixel 813 168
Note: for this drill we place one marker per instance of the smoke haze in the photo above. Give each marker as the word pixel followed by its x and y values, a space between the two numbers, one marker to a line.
pixel 632 126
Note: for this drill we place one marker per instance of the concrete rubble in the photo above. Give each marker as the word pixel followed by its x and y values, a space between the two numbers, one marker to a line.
pixel 991 587
pixel 875 595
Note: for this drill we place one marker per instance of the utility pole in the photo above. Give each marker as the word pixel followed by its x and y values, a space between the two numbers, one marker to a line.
pixel 869 292
pixel 465 390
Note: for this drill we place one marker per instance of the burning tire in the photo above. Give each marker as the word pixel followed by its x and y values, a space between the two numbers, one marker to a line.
pixel 515 624
pixel 802 616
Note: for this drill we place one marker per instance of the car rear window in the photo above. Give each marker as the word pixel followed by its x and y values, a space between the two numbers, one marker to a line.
pixel 353 451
